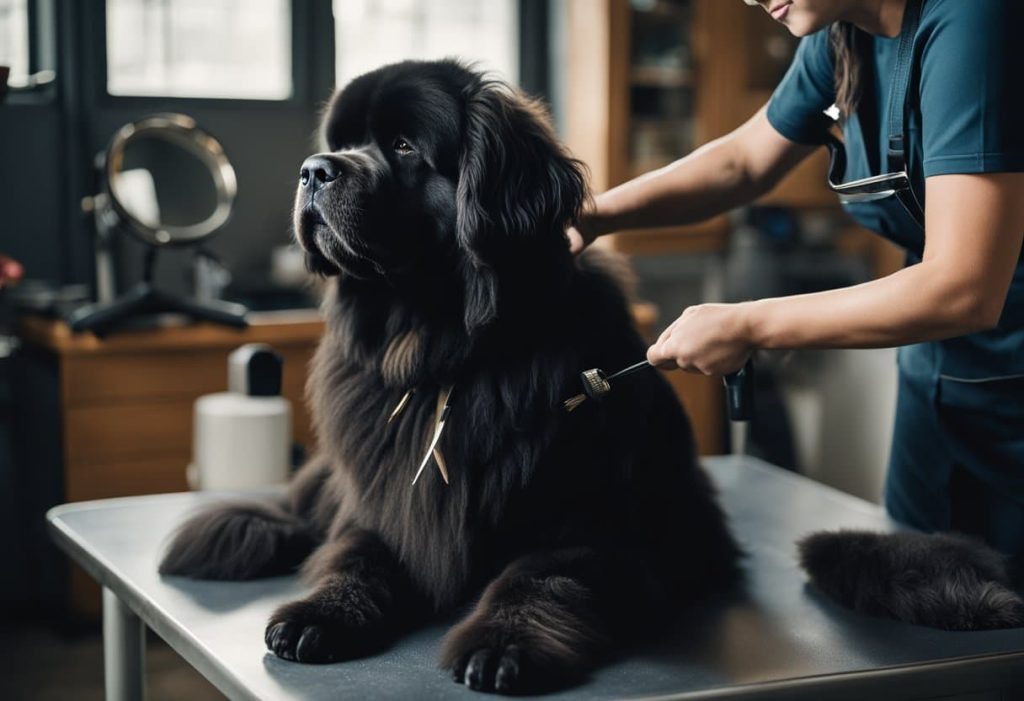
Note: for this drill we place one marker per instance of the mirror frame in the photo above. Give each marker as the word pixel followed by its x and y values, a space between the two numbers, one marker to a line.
pixel 182 130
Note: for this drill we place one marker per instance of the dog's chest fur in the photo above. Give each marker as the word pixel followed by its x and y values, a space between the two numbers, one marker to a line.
pixel 499 427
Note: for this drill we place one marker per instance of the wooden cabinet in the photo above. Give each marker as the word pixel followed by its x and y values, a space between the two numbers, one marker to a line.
pixel 119 410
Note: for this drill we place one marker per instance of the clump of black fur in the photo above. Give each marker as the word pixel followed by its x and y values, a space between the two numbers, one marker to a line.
pixel 946 581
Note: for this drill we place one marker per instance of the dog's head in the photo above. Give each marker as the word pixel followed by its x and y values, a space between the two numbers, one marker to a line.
pixel 434 169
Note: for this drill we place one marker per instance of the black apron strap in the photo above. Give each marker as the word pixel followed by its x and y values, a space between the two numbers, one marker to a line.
pixel 901 86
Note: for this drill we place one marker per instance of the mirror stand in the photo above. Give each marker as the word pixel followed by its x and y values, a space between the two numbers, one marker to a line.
pixel 144 298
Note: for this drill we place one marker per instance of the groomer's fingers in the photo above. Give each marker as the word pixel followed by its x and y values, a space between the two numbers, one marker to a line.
pixel 661 353
pixel 576 241
pixel 706 338
pixel 660 358
pixel 581 234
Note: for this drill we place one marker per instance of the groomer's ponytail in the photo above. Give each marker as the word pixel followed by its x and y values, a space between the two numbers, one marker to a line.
pixel 848 49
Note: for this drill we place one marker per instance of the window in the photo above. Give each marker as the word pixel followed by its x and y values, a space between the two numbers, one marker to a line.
pixel 237 49
pixel 14 40
pixel 372 33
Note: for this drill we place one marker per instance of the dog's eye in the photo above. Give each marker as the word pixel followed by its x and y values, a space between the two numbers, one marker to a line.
pixel 403 147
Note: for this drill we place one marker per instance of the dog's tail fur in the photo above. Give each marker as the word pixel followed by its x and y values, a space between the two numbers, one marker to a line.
pixel 243 540
pixel 946 581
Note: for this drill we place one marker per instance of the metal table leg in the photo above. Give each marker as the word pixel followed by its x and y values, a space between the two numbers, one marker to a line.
pixel 124 650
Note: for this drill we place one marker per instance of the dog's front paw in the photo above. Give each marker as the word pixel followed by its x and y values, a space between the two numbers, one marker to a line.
pixel 516 659
pixel 299 642
pixel 502 668
pixel 305 631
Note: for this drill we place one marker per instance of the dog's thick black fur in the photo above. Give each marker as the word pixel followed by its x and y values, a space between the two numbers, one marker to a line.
pixel 441 208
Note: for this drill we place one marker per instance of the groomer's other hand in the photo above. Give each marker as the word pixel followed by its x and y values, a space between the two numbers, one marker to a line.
pixel 710 339
pixel 581 235
pixel 10 271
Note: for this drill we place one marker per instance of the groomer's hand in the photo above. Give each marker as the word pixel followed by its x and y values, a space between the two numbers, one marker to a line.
pixel 10 271
pixel 711 339
pixel 581 235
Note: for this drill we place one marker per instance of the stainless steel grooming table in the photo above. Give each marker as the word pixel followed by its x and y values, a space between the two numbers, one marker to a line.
pixel 779 641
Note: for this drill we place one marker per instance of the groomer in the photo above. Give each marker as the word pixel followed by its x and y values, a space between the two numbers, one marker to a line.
pixel 931 99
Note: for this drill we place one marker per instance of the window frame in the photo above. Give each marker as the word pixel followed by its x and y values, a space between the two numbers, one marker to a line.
pixel 42 55
pixel 88 104
pixel 302 16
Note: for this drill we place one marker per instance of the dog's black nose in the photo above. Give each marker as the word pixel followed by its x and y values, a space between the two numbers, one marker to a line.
pixel 318 171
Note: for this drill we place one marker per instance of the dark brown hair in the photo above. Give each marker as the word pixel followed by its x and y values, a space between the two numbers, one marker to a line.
pixel 848 46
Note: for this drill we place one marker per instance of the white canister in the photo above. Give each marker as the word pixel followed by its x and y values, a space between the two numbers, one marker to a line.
pixel 241 439
pixel 240 442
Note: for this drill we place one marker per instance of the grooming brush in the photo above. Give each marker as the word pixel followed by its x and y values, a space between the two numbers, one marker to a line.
pixel 739 388
pixel 596 384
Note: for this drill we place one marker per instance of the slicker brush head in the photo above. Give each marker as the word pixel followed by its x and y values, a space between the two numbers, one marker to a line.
pixel 595 386
pixel 595 383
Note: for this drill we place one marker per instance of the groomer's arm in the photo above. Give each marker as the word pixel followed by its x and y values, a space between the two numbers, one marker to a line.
pixel 726 173
pixel 975 230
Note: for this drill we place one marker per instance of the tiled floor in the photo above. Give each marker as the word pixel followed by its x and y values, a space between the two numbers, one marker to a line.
pixel 37 664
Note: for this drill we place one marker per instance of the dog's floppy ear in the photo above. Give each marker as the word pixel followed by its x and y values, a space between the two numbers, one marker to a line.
pixel 518 191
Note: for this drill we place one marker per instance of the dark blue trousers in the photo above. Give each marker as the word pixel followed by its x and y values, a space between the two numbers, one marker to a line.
pixel 957 460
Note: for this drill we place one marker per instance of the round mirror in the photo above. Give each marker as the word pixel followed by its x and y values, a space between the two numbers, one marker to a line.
pixel 168 180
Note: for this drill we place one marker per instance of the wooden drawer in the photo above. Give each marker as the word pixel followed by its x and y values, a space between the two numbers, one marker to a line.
pixel 125 377
pixel 120 432
pixel 144 430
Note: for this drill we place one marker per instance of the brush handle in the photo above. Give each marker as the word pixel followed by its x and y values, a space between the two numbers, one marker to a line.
pixel 739 392
pixel 630 370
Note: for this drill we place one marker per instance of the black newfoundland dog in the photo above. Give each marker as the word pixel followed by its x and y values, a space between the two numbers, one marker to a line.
pixel 441 208
pixel 449 471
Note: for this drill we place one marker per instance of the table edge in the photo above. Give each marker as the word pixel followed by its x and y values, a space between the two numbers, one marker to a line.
pixel 175 636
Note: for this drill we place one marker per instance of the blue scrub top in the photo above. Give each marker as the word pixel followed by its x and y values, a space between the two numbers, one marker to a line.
pixel 965 114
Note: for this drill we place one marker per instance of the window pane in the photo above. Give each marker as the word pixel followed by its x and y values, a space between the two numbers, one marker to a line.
pixel 14 40
pixel 371 33
pixel 200 48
